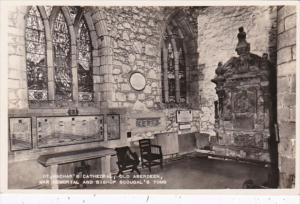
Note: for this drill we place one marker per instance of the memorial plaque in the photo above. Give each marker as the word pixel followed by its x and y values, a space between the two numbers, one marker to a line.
pixel 113 127
pixel 185 126
pixel 57 131
pixel 20 133
pixel 184 116
pixel 147 122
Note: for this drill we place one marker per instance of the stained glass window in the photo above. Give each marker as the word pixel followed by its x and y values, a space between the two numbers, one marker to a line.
pixel 176 68
pixel 171 73
pixel 182 70
pixel 35 43
pixel 162 75
pixel 36 59
pixel 62 58
pixel 84 59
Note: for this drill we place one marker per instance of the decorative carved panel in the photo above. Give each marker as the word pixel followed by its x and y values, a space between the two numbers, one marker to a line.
pixel 20 133
pixel 244 101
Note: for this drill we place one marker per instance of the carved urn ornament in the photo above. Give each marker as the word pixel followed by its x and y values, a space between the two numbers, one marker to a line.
pixel 243 109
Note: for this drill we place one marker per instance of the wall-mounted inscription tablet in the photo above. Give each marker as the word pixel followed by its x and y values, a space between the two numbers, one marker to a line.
pixel 147 122
pixel 113 126
pixel 185 126
pixel 184 116
pixel 20 133
pixel 57 131
pixel 137 81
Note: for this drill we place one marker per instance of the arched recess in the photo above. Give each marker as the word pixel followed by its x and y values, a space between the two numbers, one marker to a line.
pixel 177 20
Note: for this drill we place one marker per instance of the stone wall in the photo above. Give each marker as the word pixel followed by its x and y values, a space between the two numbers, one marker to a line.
pixel 286 94
pixel 217 38
pixel 135 36
pixel 17 84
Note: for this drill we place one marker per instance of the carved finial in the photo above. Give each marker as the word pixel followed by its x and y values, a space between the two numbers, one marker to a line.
pixel 219 69
pixel 243 47
pixel 241 35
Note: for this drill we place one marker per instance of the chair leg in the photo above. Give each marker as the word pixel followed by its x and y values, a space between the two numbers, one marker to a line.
pixel 161 163
pixel 120 172
pixel 136 169
pixel 142 163
pixel 149 167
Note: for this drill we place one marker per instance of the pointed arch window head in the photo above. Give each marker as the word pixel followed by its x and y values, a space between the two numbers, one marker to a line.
pixel 36 69
pixel 62 58
pixel 84 61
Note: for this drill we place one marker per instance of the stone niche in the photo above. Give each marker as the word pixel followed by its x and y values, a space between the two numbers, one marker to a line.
pixel 242 111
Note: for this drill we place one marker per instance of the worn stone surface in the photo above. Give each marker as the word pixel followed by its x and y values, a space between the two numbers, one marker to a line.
pixel 286 92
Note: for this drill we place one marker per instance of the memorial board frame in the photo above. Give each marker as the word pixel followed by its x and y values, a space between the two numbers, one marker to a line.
pixel 101 138
pixel 27 133
pixel 186 118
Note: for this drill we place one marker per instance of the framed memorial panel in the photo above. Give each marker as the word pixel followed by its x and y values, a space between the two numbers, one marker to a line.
pixel 67 130
pixel 20 134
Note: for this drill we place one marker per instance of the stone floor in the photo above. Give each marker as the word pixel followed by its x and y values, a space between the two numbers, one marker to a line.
pixel 191 173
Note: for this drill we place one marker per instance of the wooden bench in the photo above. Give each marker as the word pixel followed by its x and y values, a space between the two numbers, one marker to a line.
pixel 55 159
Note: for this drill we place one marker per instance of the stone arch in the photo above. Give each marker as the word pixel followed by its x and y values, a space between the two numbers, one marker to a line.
pixel 178 18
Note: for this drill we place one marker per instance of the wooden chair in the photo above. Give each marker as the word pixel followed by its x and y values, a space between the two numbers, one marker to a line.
pixel 127 160
pixel 151 155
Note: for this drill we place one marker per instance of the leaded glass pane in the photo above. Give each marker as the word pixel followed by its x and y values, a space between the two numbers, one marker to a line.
pixel 84 59
pixel 62 59
pixel 182 70
pixel 172 90
pixel 36 69
pixel 162 76
pixel 171 67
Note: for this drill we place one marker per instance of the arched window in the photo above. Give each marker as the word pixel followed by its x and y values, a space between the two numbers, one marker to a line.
pixel 36 67
pixel 62 58
pixel 59 55
pixel 173 67
pixel 84 62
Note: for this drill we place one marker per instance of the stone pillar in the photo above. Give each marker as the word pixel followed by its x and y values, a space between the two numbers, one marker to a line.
pixel 17 83
pixel 286 94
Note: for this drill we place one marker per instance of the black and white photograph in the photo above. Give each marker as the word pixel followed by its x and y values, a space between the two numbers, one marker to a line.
pixel 189 97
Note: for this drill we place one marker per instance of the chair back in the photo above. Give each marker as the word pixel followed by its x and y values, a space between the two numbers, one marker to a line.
pixel 122 153
pixel 145 146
